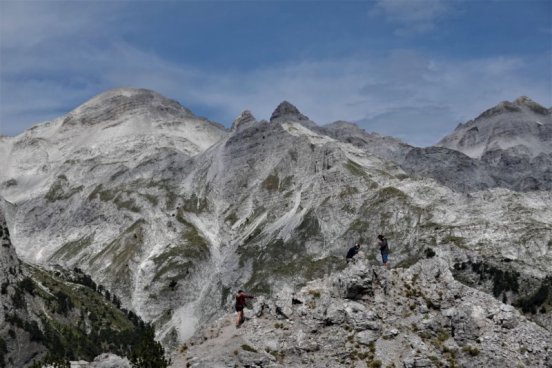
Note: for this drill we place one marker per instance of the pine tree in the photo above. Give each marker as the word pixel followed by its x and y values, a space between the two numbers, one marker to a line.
pixel 149 353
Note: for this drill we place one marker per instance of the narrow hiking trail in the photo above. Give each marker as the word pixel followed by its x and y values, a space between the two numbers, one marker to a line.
pixel 220 340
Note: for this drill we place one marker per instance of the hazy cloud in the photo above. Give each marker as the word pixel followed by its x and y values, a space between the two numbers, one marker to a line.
pixel 412 17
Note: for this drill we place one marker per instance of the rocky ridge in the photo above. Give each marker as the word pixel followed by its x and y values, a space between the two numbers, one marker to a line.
pixel 368 316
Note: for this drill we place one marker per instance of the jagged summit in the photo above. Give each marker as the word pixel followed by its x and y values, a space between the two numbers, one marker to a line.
pixel 245 119
pixel 287 112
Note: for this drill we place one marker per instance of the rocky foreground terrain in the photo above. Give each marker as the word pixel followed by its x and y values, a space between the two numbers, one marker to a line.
pixel 367 316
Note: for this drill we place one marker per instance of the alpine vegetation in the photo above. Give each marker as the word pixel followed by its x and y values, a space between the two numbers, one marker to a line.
pixel 52 317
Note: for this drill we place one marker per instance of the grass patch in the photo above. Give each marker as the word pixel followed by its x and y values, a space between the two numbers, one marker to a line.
pixel 120 253
pixel 473 351
pixel 348 191
pixel 194 204
pixel 71 249
pixel 231 218
pixel 271 183
pixel 122 198
pixel 183 257
pixel 288 260
pixel 356 169
pixel 248 348
pixel 60 190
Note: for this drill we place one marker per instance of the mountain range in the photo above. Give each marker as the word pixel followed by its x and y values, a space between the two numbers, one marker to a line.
pixel 173 213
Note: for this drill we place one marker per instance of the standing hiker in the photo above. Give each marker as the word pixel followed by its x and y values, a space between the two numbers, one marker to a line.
pixel 352 252
pixel 384 250
pixel 241 298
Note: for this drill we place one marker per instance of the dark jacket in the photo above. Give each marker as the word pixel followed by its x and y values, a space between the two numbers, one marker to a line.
pixel 352 252
pixel 241 299
pixel 383 246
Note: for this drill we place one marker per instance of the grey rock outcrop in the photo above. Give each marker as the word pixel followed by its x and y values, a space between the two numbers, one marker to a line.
pixel 244 121
pixel 124 103
pixel 449 167
pixel 424 318
pixel 388 148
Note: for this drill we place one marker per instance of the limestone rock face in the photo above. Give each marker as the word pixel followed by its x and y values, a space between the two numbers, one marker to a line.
pixel 415 317
pixel 105 136
pixel 449 167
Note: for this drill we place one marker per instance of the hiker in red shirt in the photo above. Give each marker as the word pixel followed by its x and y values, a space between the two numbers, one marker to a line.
pixel 241 297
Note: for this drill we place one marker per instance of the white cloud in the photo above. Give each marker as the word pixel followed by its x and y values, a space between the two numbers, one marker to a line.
pixel 392 91
pixel 412 17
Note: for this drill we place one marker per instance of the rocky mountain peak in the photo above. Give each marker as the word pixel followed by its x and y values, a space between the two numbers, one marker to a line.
pixel 520 104
pixel 246 118
pixel 287 112
pixel 524 101
pixel 523 127
pixel 501 108
pixel 122 103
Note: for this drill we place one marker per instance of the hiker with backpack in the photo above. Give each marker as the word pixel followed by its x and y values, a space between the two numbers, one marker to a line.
pixel 384 250
pixel 353 251
pixel 241 301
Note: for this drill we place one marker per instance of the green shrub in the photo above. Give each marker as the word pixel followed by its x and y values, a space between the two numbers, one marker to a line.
pixel 248 348
pixel 473 351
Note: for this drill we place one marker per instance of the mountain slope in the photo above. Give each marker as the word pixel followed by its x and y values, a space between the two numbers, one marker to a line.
pixel 55 317
pixel 267 206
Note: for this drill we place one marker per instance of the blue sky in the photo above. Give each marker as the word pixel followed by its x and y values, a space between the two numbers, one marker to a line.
pixel 407 68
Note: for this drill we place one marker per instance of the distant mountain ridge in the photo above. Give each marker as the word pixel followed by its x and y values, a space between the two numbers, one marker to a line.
pixel 522 126
pixel 173 213
pixel 509 146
